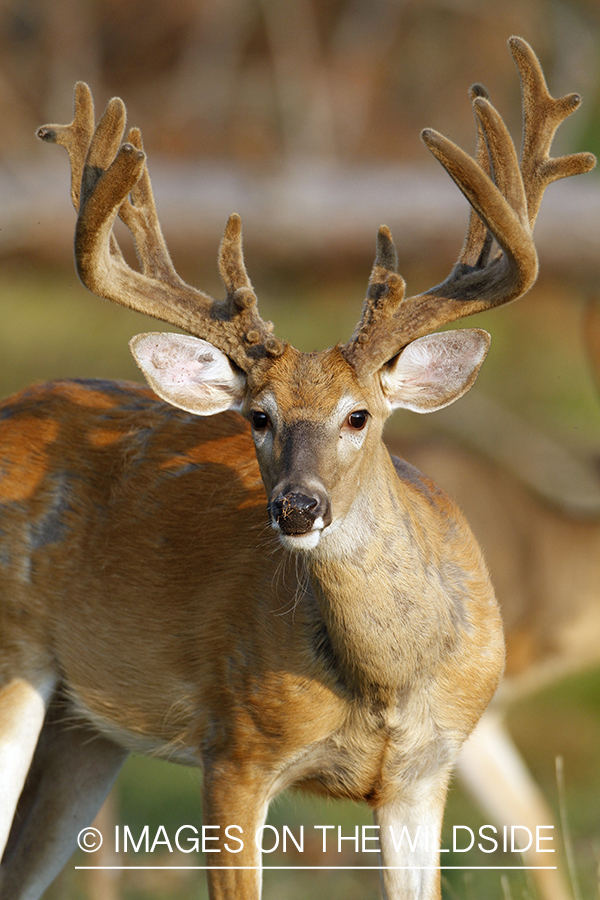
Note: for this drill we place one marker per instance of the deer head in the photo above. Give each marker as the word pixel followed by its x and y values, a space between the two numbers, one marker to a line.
pixel 317 418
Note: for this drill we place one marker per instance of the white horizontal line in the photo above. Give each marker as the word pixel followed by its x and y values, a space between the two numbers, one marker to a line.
pixel 314 868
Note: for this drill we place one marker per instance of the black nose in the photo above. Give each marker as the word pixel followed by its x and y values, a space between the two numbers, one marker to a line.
pixel 296 513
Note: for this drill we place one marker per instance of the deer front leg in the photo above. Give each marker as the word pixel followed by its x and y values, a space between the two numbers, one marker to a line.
pixel 23 707
pixel 72 771
pixel 234 807
pixel 409 835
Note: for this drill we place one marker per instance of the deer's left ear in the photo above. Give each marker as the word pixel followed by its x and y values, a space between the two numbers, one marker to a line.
pixel 435 370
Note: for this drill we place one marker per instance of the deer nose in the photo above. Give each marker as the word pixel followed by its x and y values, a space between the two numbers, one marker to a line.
pixel 297 513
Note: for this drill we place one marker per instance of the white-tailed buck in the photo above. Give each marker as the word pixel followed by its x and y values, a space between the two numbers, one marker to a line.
pixel 268 595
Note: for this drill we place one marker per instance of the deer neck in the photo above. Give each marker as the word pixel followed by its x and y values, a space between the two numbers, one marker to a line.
pixel 376 585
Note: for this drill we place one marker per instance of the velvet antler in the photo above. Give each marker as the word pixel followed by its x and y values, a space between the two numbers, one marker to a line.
pixel 505 198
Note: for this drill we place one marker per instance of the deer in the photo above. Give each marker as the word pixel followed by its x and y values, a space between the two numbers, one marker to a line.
pixel 227 569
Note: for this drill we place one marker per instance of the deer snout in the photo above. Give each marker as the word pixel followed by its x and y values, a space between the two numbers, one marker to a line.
pixel 296 513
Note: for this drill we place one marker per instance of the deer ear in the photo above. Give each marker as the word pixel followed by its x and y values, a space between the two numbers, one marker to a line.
pixel 189 373
pixel 435 370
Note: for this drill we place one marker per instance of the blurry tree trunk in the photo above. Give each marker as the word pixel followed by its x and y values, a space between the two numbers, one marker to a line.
pixel 105 884
pixel 304 98
pixel 363 39
pixel 207 77
pixel 72 40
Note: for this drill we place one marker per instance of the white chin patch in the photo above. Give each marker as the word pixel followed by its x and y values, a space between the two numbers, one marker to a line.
pixel 306 541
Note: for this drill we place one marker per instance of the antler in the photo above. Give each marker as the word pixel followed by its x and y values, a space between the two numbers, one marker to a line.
pixel 505 200
pixel 109 179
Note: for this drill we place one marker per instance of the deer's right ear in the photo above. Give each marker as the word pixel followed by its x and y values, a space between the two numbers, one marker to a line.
pixel 189 373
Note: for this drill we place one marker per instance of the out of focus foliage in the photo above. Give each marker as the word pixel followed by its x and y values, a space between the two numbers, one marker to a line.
pixel 265 79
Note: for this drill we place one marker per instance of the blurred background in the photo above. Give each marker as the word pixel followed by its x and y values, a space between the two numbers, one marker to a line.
pixel 304 116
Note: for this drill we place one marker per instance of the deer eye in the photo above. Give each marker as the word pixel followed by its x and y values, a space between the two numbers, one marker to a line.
pixel 358 419
pixel 259 420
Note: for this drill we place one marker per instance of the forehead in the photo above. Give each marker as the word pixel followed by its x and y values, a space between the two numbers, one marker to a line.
pixel 317 382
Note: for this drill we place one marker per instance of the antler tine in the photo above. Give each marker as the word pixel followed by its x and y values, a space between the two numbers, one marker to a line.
pixel 478 240
pixel 385 293
pixel 75 137
pixel 241 298
pixel 138 212
pixel 499 195
pixel 115 181
pixel 542 114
